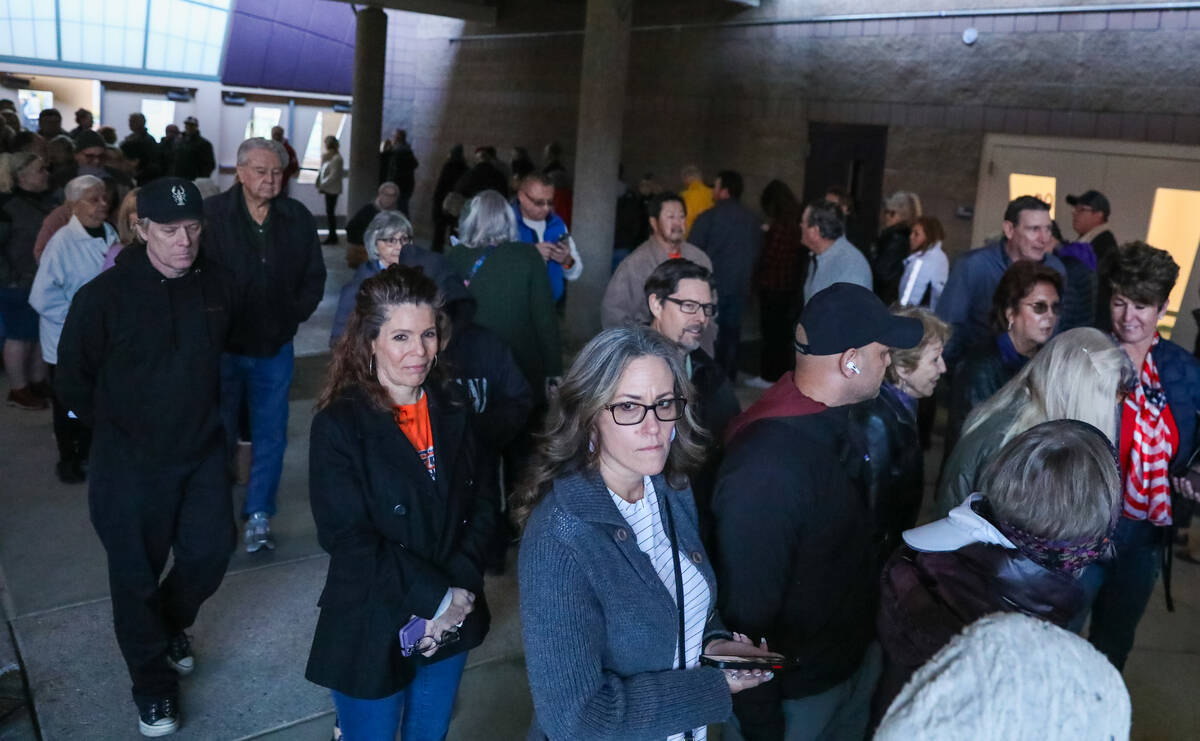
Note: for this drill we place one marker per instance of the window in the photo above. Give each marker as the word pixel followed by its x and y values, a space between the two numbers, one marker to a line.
pixel 262 120
pixel 1175 227
pixel 158 113
pixel 184 36
pixel 1040 186
pixel 327 123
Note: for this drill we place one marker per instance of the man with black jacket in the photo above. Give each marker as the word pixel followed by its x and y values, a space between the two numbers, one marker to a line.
pixel 139 361
pixel 795 554
pixel 269 243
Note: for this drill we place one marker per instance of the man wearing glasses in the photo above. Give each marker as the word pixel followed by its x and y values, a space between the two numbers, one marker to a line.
pixel 1089 219
pixel 538 225
pixel 269 243
pixel 682 298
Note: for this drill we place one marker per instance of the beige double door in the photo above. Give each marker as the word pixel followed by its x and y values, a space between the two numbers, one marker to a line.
pixel 1154 190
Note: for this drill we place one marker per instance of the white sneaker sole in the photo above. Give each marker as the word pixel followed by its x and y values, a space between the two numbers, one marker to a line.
pixel 185 667
pixel 158 729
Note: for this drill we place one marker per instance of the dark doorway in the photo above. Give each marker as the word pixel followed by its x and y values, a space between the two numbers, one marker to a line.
pixel 850 156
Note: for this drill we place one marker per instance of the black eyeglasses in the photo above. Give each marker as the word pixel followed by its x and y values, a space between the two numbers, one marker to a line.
pixel 691 307
pixel 1041 307
pixel 429 643
pixel 402 241
pixel 627 413
pixel 539 202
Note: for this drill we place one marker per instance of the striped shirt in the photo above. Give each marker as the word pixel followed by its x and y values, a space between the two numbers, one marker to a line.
pixel 648 527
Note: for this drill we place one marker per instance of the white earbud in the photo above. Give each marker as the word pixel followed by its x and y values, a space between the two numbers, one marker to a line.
pixel 853 368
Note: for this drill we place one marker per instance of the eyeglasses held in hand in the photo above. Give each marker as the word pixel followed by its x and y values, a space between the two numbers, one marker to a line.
pixel 631 413
pixel 691 307
pixel 428 643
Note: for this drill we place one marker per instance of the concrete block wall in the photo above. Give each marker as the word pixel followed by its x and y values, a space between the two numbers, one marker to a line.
pixel 743 96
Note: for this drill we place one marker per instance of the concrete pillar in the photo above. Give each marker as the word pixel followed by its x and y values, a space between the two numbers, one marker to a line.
pixel 597 158
pixel 366 121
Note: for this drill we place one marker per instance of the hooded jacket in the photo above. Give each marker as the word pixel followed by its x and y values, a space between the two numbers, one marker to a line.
pixel 139 358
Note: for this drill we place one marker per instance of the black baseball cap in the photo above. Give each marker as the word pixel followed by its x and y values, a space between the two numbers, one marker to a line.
pixel 165 200
pixel 846 315
pixel 1092 199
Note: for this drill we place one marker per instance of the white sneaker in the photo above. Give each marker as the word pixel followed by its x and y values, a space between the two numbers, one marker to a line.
pixel 258 533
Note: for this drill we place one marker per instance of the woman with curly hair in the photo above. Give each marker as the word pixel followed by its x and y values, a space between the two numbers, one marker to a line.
pixel 617 595
pixel 1158 439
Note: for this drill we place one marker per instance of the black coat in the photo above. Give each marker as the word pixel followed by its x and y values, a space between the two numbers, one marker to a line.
pixel 716 405
pixel 794 554
pixel 21 218
pixel 397 539
pixel 1105 247
pixel 897 470
pixel 1078 295
pixel 282 285
pixel 139 357
pixel 982 373
pixel 887 261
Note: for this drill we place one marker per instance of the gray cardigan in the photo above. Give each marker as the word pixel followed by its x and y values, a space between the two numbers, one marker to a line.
pixel 600 628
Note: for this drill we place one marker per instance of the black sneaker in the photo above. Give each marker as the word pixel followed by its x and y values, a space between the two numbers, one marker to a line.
pixel 70 472
pixel 179 654
pixel 159 718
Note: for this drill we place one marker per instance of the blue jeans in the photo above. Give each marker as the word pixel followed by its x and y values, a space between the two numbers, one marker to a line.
pixel 424 705
pixel 1120 589
pixel 265 382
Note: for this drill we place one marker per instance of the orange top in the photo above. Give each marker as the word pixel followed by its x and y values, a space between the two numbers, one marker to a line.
pixel 413 421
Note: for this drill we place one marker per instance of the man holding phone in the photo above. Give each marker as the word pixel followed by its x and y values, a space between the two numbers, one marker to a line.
pixel 796 561
pixel 538 225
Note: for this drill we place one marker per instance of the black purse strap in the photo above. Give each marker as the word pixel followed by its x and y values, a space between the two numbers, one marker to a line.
pixel 666 508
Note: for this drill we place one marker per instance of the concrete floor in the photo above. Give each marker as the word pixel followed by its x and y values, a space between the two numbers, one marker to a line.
pixel 252 637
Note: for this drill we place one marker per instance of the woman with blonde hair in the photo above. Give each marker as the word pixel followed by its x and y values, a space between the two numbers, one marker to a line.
pixel 900 211
pixel 1080 374
pixel 25 181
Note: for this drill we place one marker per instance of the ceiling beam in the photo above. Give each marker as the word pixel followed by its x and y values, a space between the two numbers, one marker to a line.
pixel 462 9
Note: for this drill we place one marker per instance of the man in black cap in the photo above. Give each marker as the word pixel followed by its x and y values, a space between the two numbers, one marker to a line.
pixel 1089 218
pixel 794 553
pixel 193 154
pixel 139 360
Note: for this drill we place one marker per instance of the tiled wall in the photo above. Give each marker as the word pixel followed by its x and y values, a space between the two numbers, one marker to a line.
pixel 742 97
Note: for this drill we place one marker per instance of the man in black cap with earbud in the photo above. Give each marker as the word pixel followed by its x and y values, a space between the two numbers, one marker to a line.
pixel 795 553
pixel 139 360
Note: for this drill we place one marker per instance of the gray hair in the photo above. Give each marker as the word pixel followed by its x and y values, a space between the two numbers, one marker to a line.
pixel 1058 480
pixel 78 187
pixel 568 441
pixel 1075 376
pixel 257 142
pixel 385 224
pixel 488 220
pixel 389 185
pixel 826 217
pixel 906 204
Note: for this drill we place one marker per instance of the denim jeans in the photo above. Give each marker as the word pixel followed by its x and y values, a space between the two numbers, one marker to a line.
pixel 1120 589
pixel 424 706
pixel 265 382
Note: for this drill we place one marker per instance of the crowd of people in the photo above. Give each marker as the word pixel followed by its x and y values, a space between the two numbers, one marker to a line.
pixel 683 562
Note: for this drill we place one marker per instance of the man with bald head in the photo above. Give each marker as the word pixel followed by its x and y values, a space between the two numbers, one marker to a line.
pixel 794 541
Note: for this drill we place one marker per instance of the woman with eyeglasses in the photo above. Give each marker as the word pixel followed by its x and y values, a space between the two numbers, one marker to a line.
pixel 1025 310
pixel 617 594
pixel 404 513
pixel 1157 421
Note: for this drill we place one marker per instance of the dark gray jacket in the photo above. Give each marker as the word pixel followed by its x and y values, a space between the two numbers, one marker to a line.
pixel 731 235
pixel 600 628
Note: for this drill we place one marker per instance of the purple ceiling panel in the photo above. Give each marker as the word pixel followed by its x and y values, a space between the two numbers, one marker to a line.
pixel 291 45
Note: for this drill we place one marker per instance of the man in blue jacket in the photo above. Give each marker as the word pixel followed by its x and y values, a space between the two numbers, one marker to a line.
pixel 967 298
pixel 538 225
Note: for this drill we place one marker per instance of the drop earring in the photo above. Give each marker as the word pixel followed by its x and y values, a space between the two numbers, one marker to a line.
pixel 591 446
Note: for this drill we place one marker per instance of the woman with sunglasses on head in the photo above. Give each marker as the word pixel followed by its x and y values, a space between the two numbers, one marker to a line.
pixel 1025 309
pixel 1158 440
pixel 404 513
pixel 617 594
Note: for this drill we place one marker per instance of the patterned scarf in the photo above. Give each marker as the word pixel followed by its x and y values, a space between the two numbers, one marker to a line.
pixel 1147 484
pixel 1068 556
